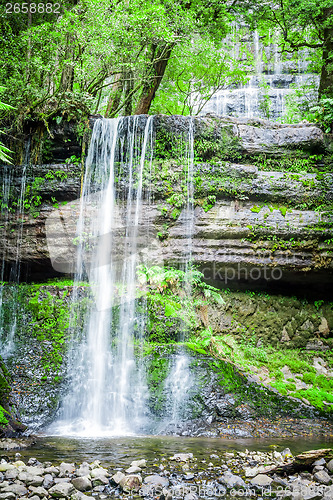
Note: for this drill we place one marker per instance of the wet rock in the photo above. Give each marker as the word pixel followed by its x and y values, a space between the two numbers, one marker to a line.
pixel 35 471
pixel 117 477
pixel 83 470
pixel 322 477
pixel 66 468
pixel 131 483
pixel 317 468
pixel 18 489
pixel 58 480
pixel 39 491
pixel 189 476
pixel 78 495
pixel 261 481
pixel 61 490
pixel 7 496
pixel 48 481
pixel 322 461
pixel 182 457
pixel 139 463
pixel 82 483
pixel 133 469
pixel 156 481
pixel 286 453
pixel 191 496
pixel 51 470
pixel 231 481
pixel 11 474
pixel 6 466
pixel 34 480
pixel 330 465
pixel 98 472
pixel 100 480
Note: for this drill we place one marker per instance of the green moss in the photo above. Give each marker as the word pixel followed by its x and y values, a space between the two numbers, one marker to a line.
pixel 3 419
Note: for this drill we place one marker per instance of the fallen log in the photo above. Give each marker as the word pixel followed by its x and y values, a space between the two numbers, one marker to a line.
pixel 303 462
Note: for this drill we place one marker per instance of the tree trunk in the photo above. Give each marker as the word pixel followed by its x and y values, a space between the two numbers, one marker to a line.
pixel 115 96
pixel 128 93
pixel 67 74
pixel 302 462
pixel 159 64
pixel 326 77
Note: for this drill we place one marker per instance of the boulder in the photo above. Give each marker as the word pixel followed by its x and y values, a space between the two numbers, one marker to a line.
pixel 261 481
pixel 131 483
pixel 61 490
pixel 82 483
pixel 322 477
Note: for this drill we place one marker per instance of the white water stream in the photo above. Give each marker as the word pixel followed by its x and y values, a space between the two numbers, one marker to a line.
pixel 108 392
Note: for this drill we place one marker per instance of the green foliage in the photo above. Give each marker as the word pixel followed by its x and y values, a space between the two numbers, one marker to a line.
pixel 4 151
pixel 323 113
pixel 3 419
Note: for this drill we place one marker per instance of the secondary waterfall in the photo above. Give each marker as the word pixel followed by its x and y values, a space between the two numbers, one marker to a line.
pixel 108 391
pixel 8 326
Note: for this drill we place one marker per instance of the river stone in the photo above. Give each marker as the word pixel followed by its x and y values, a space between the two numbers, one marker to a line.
pixel 83 470
pixel 139 463
pixel 34 480
pixel 254 471
pixel 48 481
pixel 11 474
pixel 78 495
pixel 328 493
pixel 156 480
pixel 286 453
pixel 19 463
pixel 182 457
pixel 82 483
pixel 133 469
pixel 330 465
pixel 132 482
pixel 99 471
pixel 322 461
pixel 261 480
pixel 51 470
pixel 61 490
pixel 322 477
pixel 39 491
pixel 191 496
pixel 230 480
pixel 97 481
pixel 117 477
pixel 5 466
pixel 58 480
pixel 66 468
pixel 7 495
pixel 18 489
pixel 35 471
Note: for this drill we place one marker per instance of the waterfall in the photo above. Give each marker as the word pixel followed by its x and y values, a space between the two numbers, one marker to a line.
pixel 179 381
pixel 108 391
pixel 271 84
pixel 8 327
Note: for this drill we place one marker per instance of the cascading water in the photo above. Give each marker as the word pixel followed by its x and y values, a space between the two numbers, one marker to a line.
pixel 8 326
pixel 179 381
pixel 108 391
pixel 270 84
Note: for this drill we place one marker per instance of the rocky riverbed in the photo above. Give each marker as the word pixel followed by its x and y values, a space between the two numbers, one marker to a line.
pixel 227 474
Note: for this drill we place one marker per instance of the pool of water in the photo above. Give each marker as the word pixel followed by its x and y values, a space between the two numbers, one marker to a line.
pixel 119 452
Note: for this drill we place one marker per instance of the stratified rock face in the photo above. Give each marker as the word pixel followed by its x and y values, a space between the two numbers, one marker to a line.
pixel 245 219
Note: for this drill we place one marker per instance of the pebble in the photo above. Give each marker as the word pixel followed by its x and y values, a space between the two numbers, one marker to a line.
pixel 182 473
